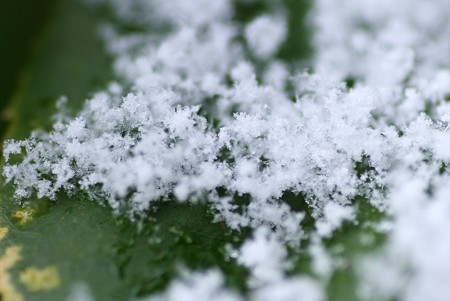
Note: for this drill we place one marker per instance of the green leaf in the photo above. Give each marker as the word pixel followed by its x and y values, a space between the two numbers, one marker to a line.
pixel 25 20
pixel 77 239
pixel 70 61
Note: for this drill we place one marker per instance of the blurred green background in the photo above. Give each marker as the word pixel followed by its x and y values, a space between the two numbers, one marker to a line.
pixel 22 21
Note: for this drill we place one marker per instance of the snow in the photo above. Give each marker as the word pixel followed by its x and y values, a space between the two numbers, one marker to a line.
pixel 205 286
pixel 276 130
pixel 264 35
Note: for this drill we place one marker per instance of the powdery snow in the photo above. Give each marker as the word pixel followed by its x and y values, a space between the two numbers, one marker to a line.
pixel 201 116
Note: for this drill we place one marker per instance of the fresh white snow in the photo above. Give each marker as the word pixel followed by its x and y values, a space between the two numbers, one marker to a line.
pixel 276 130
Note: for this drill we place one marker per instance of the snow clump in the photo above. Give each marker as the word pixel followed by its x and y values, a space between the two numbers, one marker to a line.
pixel 212 107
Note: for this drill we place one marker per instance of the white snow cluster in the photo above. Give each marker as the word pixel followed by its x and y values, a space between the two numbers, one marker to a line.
pixel 209 285
pixel 199 117
pixel 401 50
pixel 153 142
pixel 267 260
pixel 264 34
